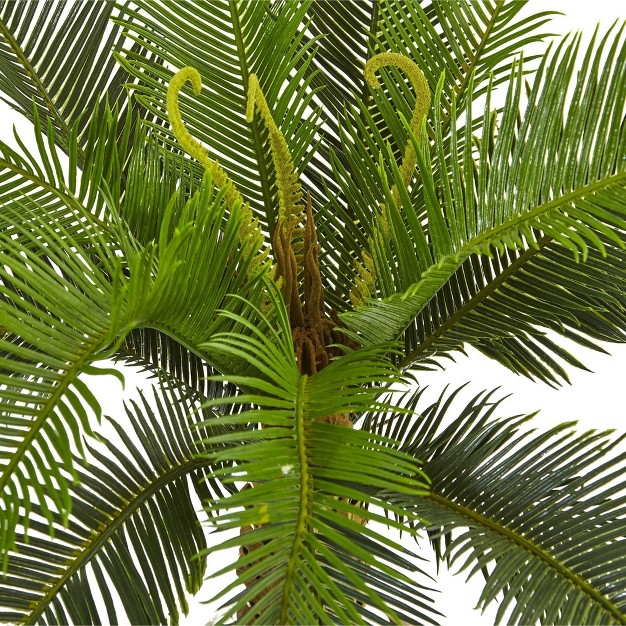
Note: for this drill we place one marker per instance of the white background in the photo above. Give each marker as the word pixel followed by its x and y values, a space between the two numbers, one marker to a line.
pixel 594 399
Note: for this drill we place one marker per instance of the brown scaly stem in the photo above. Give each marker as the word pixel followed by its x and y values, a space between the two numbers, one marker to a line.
pixel 313 332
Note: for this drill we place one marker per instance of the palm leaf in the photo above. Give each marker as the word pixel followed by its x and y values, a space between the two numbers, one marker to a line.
pixel 503 306
pixel 112 285
pixel 62 61
pixel 576 209
pixel 133 508
pixel 44 184
pixel 540 514
pixel 315 559
pixel 466 40
pixel 40 183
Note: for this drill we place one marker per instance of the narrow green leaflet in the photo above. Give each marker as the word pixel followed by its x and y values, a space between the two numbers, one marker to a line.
pixel 310 537
pixel 540 514
pixel 133 508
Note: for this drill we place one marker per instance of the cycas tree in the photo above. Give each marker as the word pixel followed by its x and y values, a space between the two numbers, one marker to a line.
pixel 370 213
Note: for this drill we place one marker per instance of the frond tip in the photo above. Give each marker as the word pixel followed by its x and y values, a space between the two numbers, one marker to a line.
pixel 289 192
pixel 193 147
pixel 422 99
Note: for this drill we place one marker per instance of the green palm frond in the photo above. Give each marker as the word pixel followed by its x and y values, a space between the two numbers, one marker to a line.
pixel 345 35
pixel 503 305
pixel 141 188
pixel 40 183
pixel 468 42
pixel 59 56
pixel 154 178
pixel 72 303
pixel 47 398
pixel 159 354
pixel 262 42
pixel 321 561
pixel 542 515
pixel 434 220
pixel 133 531
pixel 465 40
pixel 467 206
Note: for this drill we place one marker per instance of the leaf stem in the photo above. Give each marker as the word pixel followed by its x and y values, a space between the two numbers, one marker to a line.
pixel 305 497
pixel 577 581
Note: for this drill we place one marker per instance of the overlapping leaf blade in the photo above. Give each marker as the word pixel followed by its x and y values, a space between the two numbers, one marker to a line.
pixel 134 525
pixel 314 559
pixel 59 56
pixel 503 306
pixel 540 514
pixel 578 210
pixel 466 42
pixel 70 302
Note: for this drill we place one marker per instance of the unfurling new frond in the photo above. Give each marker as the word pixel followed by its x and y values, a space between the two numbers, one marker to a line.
pixel 289 192
pixel 250 234
pixel 364 284
pixel 420 110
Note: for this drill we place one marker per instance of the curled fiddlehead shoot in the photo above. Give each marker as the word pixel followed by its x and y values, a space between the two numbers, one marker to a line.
pixel 250 234
pixel 289 192
pixel 366 273
pixel 290 208
pixel 420 110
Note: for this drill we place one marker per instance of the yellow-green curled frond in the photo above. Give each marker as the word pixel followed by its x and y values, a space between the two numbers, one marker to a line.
pixel 289 192
pixel 250 234
pixel 420 110
pixel 173 111
pixel 193 147
pixel 366 269
pixel 365 280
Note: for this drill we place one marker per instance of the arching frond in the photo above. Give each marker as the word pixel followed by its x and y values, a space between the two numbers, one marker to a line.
pixel 505 203
pixel 134 530
pixel 71 304
pixel 502 306
pixel 314 559
pixel 42 182
pixel 59 56
pixel 542 515
pixel 479 38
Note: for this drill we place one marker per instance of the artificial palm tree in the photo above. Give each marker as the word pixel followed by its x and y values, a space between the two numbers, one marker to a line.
pixel 335 209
